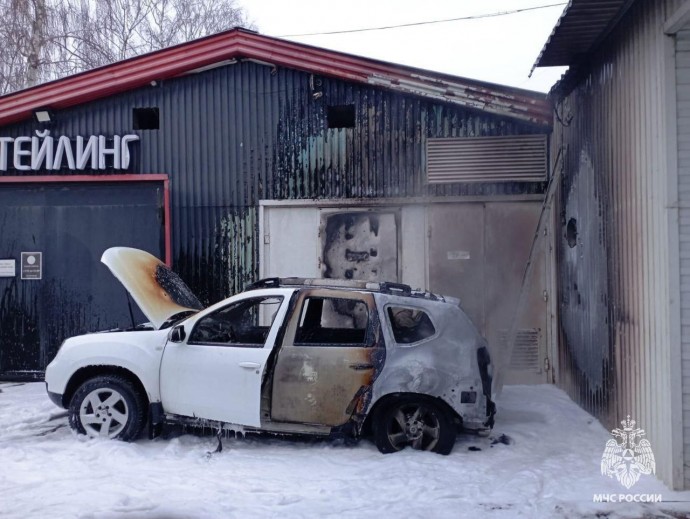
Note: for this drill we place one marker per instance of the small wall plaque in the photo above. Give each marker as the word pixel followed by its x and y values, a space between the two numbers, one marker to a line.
pixel 32 265
pixel 8 268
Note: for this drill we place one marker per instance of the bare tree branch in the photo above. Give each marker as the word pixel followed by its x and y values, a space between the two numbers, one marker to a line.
pixel 42 40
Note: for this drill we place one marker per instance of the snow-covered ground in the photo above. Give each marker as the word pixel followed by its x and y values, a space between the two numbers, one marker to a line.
pixel 548 468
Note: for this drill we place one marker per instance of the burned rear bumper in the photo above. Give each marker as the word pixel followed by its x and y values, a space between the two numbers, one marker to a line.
pixel 484 363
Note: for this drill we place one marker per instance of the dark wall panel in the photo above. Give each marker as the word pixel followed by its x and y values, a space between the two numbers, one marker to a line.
pixel 71 224
pixel 239 133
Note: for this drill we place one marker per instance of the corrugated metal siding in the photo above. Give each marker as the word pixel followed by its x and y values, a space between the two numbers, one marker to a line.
pixel 487 159
pixel 615 352
pixel 577 30
pixel 237 134
pixel 683 114
pixel 240 44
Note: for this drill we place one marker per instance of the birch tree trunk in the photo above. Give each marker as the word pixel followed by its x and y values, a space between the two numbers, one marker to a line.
pixel 36 42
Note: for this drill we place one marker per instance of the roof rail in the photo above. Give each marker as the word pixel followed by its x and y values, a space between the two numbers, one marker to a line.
pixel 388 287
pixel 384 287
pixel 264 283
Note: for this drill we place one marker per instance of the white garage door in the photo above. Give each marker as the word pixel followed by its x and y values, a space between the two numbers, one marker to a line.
pixel 476 251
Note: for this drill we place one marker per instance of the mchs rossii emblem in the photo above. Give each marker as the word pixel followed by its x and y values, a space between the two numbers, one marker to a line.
pixel 629 455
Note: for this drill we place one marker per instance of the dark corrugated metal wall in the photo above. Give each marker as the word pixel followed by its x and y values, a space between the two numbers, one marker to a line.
pixel 583 257
pixel 71 224
pixel 237 134
pixel 615 279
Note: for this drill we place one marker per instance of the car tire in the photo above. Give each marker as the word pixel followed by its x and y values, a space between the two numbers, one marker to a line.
pixel 108 406
pixel 413 422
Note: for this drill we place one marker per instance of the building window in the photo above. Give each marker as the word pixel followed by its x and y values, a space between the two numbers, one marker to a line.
pixel 341 116
pixel 146 118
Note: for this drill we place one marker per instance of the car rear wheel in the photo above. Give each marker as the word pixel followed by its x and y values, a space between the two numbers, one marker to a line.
pixel 107 406
pixel 415 423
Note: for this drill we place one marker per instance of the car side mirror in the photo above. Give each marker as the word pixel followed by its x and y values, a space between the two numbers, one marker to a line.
pixel 177 334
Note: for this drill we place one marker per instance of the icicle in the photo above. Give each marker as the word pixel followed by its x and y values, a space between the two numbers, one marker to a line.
pixel 219 448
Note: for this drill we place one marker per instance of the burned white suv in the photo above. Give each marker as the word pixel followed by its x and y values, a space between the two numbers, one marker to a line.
pixel 286 356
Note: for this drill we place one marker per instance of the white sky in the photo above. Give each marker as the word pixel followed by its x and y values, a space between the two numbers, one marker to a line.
pixel 500 49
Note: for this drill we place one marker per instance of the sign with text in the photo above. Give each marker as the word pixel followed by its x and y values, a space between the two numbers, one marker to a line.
pixel 45 152
pixel 32 265
pixel 8 268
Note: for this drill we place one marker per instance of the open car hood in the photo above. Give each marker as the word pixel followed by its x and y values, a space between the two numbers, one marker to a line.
pixel 159 292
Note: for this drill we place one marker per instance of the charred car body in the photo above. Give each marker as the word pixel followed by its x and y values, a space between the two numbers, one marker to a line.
pixel 291 356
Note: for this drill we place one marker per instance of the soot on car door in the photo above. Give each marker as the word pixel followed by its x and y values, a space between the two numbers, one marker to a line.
pixel 66 291
pixel 328 360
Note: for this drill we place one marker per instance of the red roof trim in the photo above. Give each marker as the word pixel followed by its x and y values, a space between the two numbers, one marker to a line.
pixel 139 71
pixel 126 177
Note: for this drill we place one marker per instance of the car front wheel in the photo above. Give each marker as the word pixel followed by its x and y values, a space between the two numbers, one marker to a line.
pixel 415 423
pixel 107 406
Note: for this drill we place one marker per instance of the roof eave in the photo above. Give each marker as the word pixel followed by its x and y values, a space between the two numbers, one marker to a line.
pixel 569 42
pixel 527 106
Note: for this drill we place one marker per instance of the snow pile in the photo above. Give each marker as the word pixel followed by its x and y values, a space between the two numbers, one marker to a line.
pixel 546 465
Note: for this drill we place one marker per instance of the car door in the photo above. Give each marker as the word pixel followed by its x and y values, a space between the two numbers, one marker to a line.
pixel 329 358
pixel 216 371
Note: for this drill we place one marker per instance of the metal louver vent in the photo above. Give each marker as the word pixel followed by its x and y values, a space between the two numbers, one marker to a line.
pixel 525 356
pixel 516 158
